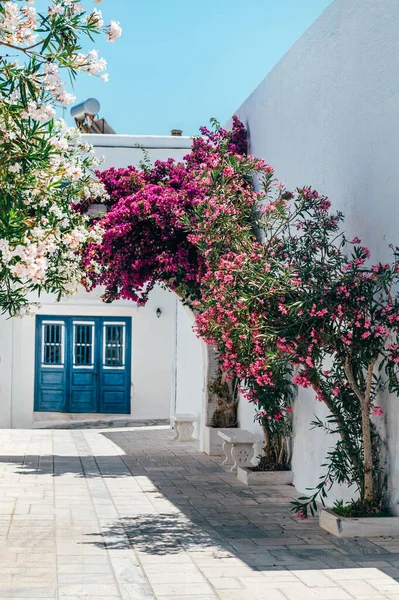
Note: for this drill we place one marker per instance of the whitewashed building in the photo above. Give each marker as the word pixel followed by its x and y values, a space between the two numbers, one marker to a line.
pixel 84 360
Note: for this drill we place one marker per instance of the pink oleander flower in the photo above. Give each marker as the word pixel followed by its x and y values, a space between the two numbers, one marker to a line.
pixel 301 516
pixel 366 251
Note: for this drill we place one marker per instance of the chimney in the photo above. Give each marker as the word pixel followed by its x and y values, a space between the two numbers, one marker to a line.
pixel 176 132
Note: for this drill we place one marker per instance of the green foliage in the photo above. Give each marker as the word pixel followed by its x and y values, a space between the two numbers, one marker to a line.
pixel 359 509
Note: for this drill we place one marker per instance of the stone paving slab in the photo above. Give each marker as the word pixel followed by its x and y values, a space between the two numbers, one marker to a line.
pixel 128 514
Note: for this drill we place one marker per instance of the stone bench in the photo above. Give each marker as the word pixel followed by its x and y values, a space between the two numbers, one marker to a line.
pixel 238 446
pixel 183 427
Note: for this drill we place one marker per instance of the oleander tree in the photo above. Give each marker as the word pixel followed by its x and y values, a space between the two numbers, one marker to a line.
pixel 44 166
pixel 334 316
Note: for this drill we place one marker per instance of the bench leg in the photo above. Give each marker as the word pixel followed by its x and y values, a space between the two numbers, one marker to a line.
pixel 227 446
pixel 184 431
pixel 242 455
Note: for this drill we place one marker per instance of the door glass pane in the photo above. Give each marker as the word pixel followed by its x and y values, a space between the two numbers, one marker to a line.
pixel 83 344
pixel 114 345
pixel 53 344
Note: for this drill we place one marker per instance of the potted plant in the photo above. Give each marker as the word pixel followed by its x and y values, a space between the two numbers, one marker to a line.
pixel 274 414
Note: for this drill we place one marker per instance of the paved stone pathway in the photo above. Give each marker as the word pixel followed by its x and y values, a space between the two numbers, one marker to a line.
pixel 129 514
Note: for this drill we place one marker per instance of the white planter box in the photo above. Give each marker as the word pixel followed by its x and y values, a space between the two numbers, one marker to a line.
pixel 245 475
pixel 358 527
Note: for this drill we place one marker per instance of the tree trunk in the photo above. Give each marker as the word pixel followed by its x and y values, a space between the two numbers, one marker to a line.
pixel 368 455
pixel 266 437
pixel 364 399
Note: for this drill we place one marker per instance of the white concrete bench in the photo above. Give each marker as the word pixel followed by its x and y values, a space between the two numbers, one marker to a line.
pixel 238 446
pixel 183 427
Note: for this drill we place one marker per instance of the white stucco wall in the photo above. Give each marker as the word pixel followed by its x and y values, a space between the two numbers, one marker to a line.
pixel 189 368
pixel 245 416
pixel 328 116
pixel 152 357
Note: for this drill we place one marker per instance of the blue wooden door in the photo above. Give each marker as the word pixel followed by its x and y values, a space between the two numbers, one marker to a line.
pixel 83 365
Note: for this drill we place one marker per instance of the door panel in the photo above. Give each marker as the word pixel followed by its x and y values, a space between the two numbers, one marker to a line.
pixel 112 380
pixel 83 365
pixel 84 393
pixel 115 366
pixel 51 379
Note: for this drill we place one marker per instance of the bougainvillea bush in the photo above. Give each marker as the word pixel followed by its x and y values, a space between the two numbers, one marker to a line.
pixel 43 163
pixel 182 225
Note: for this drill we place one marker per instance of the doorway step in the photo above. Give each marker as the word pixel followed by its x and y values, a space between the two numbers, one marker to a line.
pixel 90 421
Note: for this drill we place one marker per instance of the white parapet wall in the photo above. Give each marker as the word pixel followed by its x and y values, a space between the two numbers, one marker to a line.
pixel 123 150
pixel 327 116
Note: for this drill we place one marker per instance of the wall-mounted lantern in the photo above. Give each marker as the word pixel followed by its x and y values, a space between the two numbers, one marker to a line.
pixel 159 312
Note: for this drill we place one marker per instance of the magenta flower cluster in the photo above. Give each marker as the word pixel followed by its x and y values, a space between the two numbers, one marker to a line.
pixel 152 232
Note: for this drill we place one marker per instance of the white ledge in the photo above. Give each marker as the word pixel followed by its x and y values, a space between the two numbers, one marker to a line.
pixel 135 141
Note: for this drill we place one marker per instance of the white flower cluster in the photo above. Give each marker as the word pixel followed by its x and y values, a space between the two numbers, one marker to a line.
pixel 58 9
pixel 41 113
pixel 17 28
pixel 96 190
pixel 18 23
pixel 55 85
pixel 29 262
pixel 28 310
pixel 114 31
pixel 95 17
pixel 91 63
pixel 45 169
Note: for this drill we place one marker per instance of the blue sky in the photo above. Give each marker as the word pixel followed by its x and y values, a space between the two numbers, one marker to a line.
pixel 180 62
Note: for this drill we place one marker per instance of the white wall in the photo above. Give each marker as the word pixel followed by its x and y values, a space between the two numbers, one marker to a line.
pixel 327 115
pixel 6 370
pixel 189 373
pixel 152 356
pixel 245 416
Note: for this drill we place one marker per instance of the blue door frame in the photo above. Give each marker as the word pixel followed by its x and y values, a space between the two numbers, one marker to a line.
pixel 83 364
